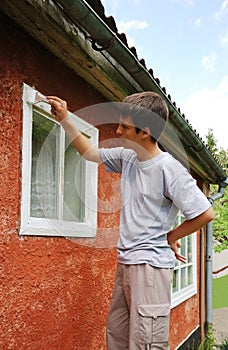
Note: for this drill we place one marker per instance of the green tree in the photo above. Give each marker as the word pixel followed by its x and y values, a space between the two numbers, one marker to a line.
pixel 212 142
pixel 220 224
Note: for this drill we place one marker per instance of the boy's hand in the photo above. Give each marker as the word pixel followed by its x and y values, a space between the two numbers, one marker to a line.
pixel 58 107
pixel 175 247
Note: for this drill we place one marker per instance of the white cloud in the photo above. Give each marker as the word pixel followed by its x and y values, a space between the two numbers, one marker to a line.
pixel 130 41
pixel 127 26
pixel 113 6
pixel 207 108
pixel 137 2
pixel 208 62
pixel 196 22
pixel 133 24
pixel 185 2
pixel 223 40
pixel 223 10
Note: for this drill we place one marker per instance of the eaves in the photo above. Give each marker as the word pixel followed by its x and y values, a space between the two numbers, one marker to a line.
pixel 76 34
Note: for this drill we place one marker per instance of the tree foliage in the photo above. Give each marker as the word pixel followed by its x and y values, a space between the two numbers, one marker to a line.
pixel 220 223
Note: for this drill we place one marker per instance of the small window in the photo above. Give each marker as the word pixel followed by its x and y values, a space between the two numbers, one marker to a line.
pixel 184 283
pixel 59 188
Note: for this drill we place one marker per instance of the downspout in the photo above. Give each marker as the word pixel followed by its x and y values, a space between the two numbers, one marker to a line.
pixel 209 252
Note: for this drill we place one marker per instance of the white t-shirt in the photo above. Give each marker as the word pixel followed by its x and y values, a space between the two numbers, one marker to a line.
pixel 152 194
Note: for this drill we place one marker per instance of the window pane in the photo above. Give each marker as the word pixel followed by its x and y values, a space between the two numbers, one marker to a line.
pixel 182 219
pixel 183 278
pixel 189 249
pixel 176 222
pixel 190 275
pixel 74 185
pixel 183 246
pixel 175 280
pixel 44 167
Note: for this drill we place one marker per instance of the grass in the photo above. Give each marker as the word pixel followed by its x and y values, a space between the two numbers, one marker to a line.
pixel 220 292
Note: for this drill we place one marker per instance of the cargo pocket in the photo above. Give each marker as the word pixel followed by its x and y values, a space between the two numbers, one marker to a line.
pixel 153 323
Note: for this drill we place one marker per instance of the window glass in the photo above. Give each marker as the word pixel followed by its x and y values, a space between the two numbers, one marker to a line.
pixel 190 275
pixel 74 185
pixel 189 243
pixel 44 189
pixel 183 277
pixel 184 274
pixel 183 246
pixel 175 280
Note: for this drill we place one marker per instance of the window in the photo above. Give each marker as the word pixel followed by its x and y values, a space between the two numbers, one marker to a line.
pixel 59 188
pixel 184 275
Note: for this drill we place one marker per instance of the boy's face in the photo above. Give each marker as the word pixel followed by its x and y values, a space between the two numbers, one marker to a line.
pixel 127 132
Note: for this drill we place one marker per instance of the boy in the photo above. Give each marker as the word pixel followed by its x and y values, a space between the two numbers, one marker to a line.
pixel 155 187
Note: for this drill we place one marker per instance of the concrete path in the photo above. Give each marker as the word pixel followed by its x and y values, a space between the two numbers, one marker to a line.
pixel 220 324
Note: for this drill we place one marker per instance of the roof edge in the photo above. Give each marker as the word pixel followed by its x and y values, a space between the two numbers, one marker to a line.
pixel 103 36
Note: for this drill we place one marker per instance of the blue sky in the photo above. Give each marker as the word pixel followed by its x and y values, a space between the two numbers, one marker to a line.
pixel 185 42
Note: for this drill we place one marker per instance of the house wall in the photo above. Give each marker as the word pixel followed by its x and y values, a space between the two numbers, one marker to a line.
pixel 55 292
pixel 185 318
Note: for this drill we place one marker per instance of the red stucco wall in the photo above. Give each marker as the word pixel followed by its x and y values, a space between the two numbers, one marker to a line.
pixel 185 318
pixel 54 292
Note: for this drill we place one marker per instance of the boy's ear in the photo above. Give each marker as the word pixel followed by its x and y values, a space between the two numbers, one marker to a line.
pixel 146 132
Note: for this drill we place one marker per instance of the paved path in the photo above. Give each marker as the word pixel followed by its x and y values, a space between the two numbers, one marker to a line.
pixel 220 324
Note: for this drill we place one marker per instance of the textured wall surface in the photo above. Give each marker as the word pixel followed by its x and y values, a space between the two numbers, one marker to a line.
pixel 54 292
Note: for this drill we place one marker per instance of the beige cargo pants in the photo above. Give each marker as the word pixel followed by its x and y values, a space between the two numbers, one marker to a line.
pixel 140 307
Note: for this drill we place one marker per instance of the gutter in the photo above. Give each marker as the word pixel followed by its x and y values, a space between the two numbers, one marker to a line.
pixel 209 252
pixel 105 40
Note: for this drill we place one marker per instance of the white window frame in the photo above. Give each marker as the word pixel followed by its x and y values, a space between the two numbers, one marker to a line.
pixel 53 227
pixel 182 294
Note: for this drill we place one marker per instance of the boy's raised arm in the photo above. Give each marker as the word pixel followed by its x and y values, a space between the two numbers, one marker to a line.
pixel 78 140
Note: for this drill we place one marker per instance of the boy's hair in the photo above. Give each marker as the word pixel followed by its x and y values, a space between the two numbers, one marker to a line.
pixel 146 109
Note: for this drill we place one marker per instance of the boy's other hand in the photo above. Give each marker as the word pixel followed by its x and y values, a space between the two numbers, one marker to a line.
pixel 175 247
